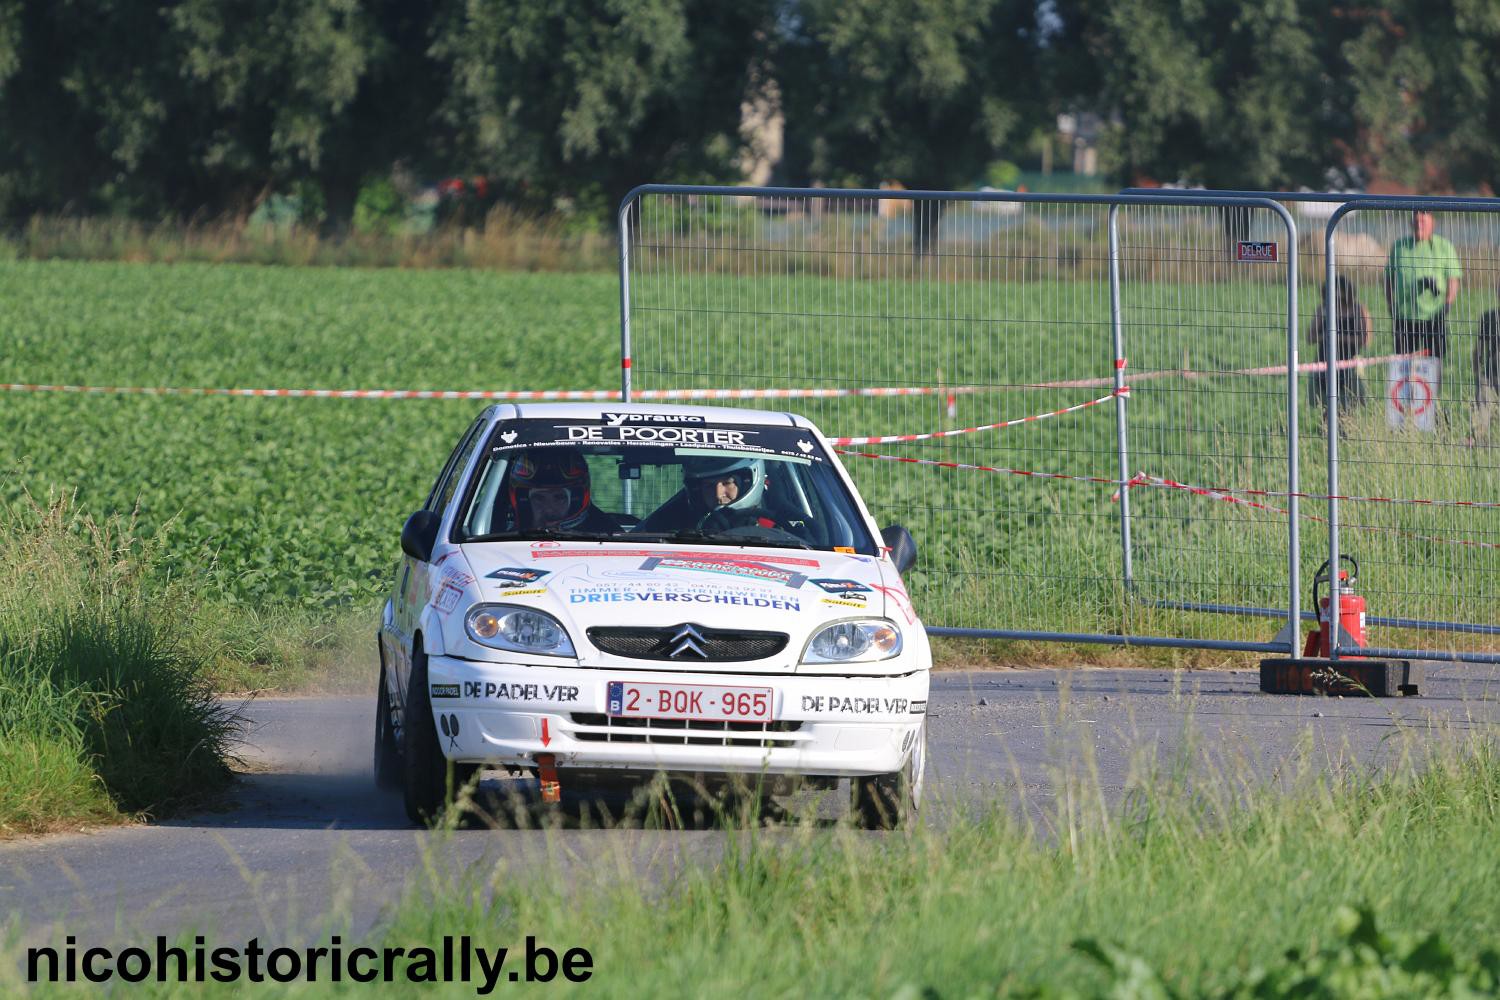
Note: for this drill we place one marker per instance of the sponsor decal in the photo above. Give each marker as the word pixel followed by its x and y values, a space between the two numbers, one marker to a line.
pixel 447 598
pixel 616 419
pixel 457 577
pixel 671 596
pixel 525 593
pixel 849 590
pixel 557 553
pixel 517 576
pixel 501 691
pixel 656 430
pixel 1253 252
pixel 449 725
pixel 846 604
pixel 727 567
pixel 901 600
pixel 839 705
pixel 919 707
pixel 444 690
pixel 702 437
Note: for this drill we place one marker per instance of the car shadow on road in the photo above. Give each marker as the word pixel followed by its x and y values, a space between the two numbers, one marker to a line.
pixel 284 800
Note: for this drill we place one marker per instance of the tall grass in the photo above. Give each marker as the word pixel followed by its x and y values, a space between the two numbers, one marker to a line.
pixel 1386 884
pixel 103 707
pixel 1206 875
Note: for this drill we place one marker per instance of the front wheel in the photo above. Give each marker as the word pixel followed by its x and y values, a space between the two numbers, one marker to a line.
pixel 429 783
pixel 888 801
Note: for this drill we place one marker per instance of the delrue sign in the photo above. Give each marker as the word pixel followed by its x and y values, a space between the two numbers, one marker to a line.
pixel 1252 252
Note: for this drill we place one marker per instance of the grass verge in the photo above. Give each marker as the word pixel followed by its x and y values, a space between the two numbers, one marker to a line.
pixel 1320 882
pixel 104 711
pixel 1349 885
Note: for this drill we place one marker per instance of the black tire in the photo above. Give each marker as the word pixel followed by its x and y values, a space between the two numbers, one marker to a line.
pixel 429 783
pixel 387 734
pixel 889 801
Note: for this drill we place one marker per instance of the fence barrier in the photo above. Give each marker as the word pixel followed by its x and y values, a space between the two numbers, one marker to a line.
pixel 1010 294
pixel 1421 427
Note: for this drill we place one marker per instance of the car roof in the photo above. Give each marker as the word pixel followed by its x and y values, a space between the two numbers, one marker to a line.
pixel 596 411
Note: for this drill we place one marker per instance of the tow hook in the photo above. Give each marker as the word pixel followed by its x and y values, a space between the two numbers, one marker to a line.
pixel 546 765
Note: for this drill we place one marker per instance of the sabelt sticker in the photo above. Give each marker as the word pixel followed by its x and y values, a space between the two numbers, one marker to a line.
pixel 846 604
pixel 1253 252
pixel 529 592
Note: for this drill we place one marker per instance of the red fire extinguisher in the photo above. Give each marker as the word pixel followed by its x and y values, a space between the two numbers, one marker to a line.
pixel 1351 611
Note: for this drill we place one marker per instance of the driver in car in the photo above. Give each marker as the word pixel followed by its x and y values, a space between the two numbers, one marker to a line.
pixel 727 493
pixel 549 490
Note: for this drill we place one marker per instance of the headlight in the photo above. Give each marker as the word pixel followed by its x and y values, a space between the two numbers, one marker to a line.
pixel 854 641
pixel 519 630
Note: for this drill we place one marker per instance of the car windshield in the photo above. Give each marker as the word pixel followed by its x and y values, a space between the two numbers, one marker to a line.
pixel 660 479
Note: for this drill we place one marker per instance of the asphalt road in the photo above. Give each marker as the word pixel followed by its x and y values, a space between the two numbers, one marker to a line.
pixel 308 846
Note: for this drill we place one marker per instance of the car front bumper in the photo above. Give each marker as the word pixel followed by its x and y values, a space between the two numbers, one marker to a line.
pixel 507 714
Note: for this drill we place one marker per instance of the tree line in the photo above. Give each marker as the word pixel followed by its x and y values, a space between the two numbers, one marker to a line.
pixel 183 108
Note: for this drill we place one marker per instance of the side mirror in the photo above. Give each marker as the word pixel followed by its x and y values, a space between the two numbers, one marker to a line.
pixel 903 547
pixel 419 535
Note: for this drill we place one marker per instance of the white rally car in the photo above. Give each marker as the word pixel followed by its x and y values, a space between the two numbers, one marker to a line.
pixel 602 588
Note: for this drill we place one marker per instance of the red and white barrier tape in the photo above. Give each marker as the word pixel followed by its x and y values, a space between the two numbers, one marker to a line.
pixel 648 395
pixel 1142 479
pixel 599 395
pixel 1218 492
pixel 897 438
pixel 1189 373
pixel 1224 491
pixel 981 468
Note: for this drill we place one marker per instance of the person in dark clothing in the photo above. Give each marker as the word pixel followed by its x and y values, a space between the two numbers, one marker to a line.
pixel 1486 375
pixel 1353 325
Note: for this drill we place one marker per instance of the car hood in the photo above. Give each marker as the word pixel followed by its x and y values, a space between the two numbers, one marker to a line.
pixel 588 585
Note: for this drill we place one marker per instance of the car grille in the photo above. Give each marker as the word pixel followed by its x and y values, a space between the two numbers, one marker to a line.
pixel 717 644
pixel 685 732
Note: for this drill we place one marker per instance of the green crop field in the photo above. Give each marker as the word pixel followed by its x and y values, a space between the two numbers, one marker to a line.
pixel 298 502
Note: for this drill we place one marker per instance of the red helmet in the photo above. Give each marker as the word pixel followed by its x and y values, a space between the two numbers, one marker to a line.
pixel 550 468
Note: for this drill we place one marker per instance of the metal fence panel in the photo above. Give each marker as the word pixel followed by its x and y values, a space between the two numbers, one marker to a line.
pixel 1416 456
pixel 997 310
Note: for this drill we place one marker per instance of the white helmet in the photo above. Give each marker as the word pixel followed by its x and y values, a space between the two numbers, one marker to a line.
pixel 749 474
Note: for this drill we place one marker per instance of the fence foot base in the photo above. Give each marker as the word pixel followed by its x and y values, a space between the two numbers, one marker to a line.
pixel 1373 678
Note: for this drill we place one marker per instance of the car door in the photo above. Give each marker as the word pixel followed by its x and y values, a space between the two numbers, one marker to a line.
pixel 413 583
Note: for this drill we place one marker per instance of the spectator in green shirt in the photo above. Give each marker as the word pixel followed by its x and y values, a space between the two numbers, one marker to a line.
pixel 1421 284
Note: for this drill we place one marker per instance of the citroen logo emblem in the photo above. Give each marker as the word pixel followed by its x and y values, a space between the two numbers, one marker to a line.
pixel 688 641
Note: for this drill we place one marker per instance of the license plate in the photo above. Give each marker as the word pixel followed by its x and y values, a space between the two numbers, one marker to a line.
pixel 701 702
